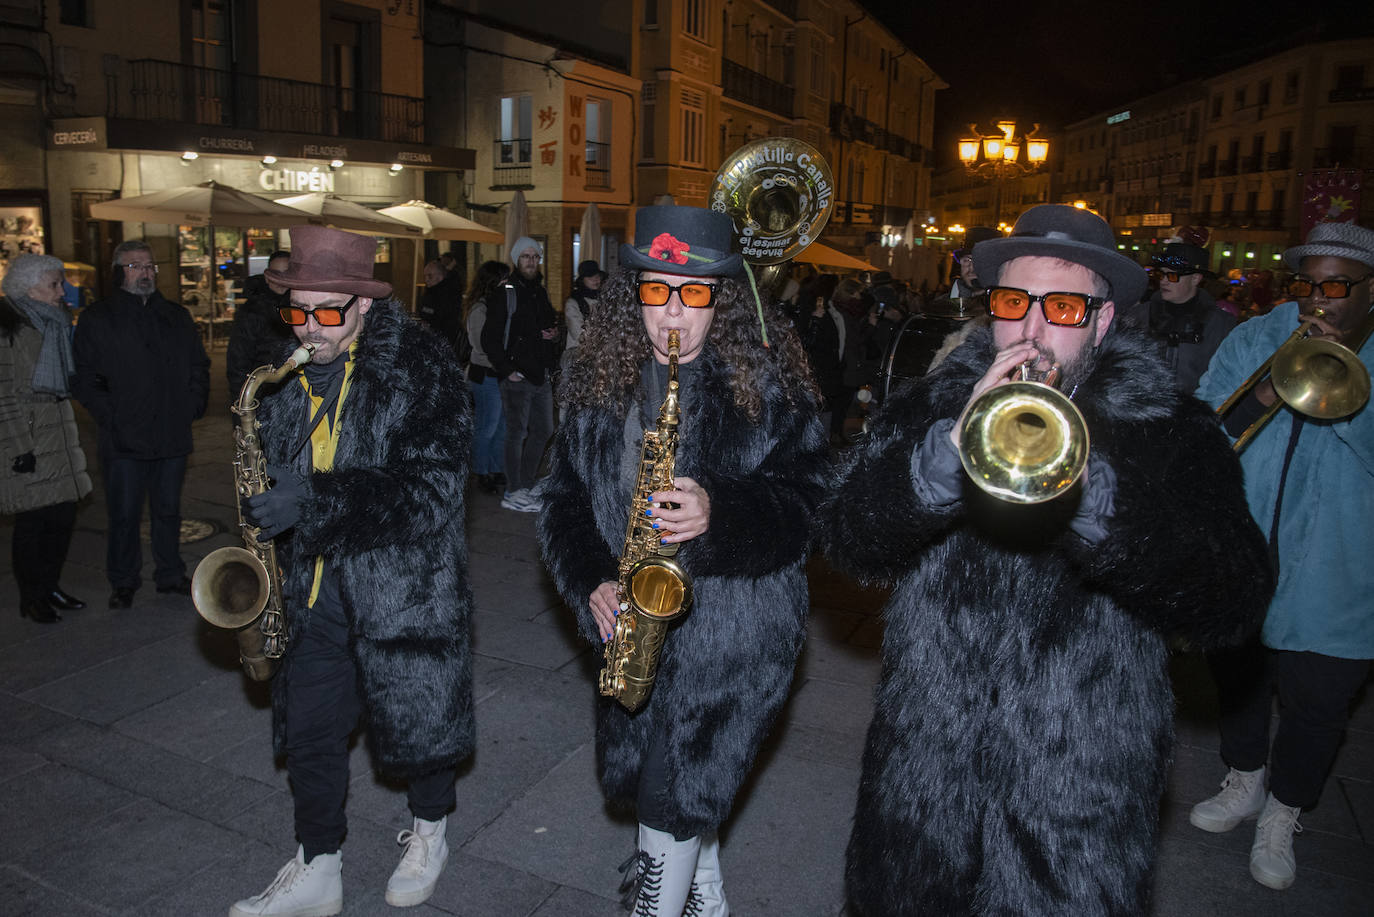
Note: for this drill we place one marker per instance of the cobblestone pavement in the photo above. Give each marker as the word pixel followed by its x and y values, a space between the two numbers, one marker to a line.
pixel 136 776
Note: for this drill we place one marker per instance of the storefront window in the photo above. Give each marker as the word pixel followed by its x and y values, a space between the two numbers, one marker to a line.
pixel 21 231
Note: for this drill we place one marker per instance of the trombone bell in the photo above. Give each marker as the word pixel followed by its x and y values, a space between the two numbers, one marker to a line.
pixel 1320 379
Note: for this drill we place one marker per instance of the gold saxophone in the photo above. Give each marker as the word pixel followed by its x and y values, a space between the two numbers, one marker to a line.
pixel 240 588
pixel 653 589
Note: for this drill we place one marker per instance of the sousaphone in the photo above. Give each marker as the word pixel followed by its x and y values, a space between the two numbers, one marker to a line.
pixel 780 193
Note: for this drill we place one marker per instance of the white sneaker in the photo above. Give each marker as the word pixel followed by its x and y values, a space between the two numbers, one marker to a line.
pixel 301 889
pixel 1241 797
pixel 522 501
pixel 1271 858
pixel 426 853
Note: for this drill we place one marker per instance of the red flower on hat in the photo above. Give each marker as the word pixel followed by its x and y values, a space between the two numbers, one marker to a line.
pixel 666 247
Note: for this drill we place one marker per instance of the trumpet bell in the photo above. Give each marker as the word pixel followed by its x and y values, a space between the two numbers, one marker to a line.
pixel 1320 379
pixel 230 587
pixel 1023 442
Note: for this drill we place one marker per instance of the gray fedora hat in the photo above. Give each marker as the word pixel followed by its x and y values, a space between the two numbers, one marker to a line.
pixel 1339 240
pixel 1061 231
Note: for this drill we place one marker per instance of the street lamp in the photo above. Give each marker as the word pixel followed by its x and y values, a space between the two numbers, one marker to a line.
pixel 1001 155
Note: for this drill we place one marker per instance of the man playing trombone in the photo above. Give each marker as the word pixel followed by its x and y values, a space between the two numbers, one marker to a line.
pixel 1024 717
pixel 1310 484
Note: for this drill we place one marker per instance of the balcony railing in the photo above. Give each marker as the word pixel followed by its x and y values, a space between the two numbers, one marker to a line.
pixel 1250 164
pixel 510 163
pixel 598 165
pixel 1226 167
pixel 1206 170
pixel 1277 162
pixel 753 88
pixel 1330 157
pixel 167 91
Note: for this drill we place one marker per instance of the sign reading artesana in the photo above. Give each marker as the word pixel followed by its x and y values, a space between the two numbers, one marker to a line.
pixel 175 137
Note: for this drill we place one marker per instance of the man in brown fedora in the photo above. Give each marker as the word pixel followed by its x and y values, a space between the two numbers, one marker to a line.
pixel 368 451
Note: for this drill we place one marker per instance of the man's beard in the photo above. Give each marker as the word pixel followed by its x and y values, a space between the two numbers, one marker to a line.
pixel 143 286
pixel 1073 371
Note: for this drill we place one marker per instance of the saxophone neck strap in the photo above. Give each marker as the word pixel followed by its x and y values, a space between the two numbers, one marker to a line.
pixel 327 403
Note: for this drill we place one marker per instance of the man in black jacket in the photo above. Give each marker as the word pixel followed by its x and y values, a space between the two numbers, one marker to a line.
pixel 259 333
pixel 1024 718
pixel 368 450
pixel 518 338
pixel 1184 320
pixel 441 306
pixel 143 374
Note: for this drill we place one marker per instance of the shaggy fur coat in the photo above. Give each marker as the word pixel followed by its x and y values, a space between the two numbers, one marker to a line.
pixel 389 519
pixel 726 665
pixel 1024 718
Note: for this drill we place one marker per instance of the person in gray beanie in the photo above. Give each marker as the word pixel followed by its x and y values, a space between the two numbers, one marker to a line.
pixel 1310 485
pixel 518 338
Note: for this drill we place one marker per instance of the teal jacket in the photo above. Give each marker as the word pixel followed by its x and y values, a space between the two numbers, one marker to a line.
pixel 1325 597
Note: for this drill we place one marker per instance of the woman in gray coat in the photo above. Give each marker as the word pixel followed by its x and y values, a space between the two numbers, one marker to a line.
pixel 43 470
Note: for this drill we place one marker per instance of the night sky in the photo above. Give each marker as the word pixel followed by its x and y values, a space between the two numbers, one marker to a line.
pixel 1061 60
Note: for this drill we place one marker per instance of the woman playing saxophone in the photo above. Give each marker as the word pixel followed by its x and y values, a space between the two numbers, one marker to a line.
pixel 748 459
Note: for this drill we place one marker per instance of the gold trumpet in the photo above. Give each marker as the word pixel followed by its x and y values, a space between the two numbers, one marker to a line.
pixel 1317 378
pixel 1025 441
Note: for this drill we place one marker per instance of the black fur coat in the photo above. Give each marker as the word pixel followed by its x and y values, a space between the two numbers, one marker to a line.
pixel 727 664
pixel 389 518
pixel 1024 719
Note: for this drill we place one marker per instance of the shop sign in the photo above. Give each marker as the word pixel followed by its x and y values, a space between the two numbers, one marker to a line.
pixel 1156 219
pixel 296 180
pixel 77 133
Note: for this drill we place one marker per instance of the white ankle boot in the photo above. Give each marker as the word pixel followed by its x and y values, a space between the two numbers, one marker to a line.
pixel 1241 797
pixel 708 886
pixel 1271 858
pixel 301 889
pixel 426 853
pixel 662 879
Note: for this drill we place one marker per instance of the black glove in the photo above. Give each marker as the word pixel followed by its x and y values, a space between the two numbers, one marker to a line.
pixel 25 464
pixel 278 509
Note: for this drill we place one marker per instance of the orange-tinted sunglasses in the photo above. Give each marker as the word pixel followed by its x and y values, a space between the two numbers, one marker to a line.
pixel 325 316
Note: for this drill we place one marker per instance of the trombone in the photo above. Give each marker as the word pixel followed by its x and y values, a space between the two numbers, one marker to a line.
pixel 1317 378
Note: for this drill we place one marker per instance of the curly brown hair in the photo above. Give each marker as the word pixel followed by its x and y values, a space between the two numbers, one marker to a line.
pixel 614 346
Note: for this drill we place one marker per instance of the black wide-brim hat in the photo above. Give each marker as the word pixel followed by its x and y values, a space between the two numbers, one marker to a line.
pixel 1077 236
pixel 691 241
pixel 327 260
pixel 1184 257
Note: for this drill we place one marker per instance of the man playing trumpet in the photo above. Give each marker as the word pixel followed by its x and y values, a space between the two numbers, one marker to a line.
pixel 1310 484
pixel 1024 717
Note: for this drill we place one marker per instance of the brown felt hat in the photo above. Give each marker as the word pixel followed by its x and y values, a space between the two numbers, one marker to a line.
pixel 331 261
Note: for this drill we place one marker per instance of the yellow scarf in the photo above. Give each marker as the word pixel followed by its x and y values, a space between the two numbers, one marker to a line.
pixel 324 440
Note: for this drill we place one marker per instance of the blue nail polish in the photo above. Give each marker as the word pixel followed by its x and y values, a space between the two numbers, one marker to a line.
pixel 663 541
pixel 655 525
pixel 648 512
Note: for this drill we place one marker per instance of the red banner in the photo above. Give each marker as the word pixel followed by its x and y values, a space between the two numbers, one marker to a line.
pixel 1330 196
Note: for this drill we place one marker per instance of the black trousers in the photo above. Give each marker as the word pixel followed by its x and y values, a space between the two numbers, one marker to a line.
pixel 129 483
pixel 1315 693
pixel 41 539
pixel 322 711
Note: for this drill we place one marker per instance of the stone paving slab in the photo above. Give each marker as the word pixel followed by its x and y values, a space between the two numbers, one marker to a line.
pixel 137 727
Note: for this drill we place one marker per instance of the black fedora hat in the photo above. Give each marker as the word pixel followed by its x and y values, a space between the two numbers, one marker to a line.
pixel 691 241
pixel 1183 258
pixel 1078 236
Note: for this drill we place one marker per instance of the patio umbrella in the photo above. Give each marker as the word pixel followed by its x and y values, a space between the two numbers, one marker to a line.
pixel 207 204
pixel 328 210
pixel 590 232
pixel 824 255
pixel 517 220
pixel 438 223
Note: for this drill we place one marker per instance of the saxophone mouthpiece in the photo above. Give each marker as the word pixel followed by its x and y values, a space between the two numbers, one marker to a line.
pixel 301 355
